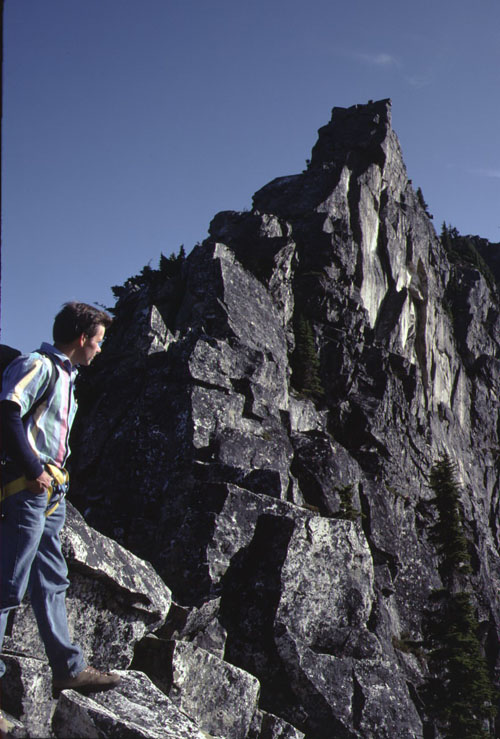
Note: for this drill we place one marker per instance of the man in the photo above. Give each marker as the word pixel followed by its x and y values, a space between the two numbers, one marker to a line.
pixel 35 450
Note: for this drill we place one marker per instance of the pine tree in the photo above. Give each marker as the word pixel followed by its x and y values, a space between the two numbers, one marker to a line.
pixel 448 531
pixel 462 251
pixel 305 361
pixel 460 693
pixel 346 509
pixel 421 200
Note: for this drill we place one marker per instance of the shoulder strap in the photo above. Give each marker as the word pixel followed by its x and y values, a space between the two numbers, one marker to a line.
pixel 48 390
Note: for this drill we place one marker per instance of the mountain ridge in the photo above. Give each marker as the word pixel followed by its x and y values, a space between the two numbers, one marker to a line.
pixel 405 367
pixel 263 424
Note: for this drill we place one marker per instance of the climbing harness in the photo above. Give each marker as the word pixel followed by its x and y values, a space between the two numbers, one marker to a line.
pixel 55 492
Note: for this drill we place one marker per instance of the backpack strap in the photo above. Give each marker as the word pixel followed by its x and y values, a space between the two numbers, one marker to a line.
pixel 4 461
pixel 48 390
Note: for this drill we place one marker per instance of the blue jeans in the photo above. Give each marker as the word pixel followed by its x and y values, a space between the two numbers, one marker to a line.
pixel 31 559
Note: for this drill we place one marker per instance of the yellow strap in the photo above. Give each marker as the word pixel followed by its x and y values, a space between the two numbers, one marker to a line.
pixel 13 487
pixel 52 508
pixel 60 476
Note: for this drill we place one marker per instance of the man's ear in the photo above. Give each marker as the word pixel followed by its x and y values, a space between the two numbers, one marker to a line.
pixel 82 339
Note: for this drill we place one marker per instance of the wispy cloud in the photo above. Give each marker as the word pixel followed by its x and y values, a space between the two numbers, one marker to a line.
pixel 419 80
pixel 382 59
pixel 483 172
pixel 385 60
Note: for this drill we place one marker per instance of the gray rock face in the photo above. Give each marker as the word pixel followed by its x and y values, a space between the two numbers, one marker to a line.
pixel 136 710
pixel 272 406
pixel 26 691
pixel 226 705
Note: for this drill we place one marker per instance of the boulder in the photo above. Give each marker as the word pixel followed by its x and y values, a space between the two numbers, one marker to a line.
pixel 136 710
pixel 26 693
pixel 267 726
pixel 220 697
pixel 229 698
pixel 114 599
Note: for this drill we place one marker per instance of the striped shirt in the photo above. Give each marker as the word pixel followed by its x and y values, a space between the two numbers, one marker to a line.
pixel 24 381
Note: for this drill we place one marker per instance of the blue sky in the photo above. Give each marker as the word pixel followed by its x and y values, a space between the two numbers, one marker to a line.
pixel 128 124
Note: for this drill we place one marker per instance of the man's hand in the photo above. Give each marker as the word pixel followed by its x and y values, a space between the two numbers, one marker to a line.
pixel 39 485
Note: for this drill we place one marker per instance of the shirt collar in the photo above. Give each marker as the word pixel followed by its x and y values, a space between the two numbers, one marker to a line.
pixel 63 358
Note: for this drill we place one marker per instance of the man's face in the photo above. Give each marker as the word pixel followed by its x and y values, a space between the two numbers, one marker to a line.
pixel 90 346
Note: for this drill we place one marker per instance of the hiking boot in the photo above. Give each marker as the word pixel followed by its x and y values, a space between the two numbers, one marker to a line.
pixel 87 681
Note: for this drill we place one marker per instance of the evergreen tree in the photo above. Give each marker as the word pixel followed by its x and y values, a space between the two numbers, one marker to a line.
pixel 148 277
pixel 170 266
pixel 462 251
pixel 460 693
pixel 346 509
pixel 305 361
pixel 448 530
pixel 421 200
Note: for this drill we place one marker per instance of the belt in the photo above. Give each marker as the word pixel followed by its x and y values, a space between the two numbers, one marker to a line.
pixel 60 479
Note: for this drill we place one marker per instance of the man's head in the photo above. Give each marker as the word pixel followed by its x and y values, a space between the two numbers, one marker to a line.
pixel 78 331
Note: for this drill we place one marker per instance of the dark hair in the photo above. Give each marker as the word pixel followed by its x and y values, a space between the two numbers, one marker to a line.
pixel 75 319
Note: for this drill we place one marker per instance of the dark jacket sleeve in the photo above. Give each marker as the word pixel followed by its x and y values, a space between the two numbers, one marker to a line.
pixel 14 441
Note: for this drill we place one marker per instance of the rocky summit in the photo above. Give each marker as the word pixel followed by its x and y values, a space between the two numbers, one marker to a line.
pixel 289 447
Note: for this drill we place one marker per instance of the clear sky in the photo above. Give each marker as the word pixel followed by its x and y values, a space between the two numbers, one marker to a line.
pixel 128 124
